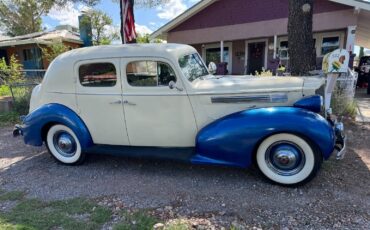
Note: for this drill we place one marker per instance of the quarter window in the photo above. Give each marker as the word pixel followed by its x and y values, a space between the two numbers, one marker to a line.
pixel 149 73
pixel 329 44
pixel 98 75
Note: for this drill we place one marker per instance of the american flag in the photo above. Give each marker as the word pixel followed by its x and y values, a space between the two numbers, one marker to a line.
pixel 128 32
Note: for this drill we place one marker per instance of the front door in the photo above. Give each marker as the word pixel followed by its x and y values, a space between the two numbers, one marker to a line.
pixel 256 57
pixel 99 98
pixel 155 114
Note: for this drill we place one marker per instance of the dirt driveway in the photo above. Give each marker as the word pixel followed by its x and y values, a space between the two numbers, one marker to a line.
pixel 338 197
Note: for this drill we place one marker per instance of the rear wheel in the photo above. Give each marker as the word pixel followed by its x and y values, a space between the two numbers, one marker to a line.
pixel 288 159
pixel 64 145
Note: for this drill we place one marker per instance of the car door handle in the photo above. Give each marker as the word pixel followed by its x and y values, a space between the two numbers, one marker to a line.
pixel 126 102
pixel 118 102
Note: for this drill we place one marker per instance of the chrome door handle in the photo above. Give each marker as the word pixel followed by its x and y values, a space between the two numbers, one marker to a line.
pixel 118 102
pixel 126 102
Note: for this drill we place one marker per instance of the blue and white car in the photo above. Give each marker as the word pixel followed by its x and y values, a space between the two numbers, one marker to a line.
pixel 159 100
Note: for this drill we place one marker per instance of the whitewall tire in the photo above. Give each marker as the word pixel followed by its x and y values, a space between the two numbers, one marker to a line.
pixel 64 145
pixel 288 159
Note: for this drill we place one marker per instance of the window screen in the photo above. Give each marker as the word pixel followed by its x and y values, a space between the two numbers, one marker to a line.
pixel 149 73
pixel 98 75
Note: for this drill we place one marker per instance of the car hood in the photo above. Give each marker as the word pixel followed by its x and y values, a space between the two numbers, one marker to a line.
pixel 247 84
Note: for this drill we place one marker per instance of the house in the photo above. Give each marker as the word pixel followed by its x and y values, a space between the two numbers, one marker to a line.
pixel 252 34
pixel 27 48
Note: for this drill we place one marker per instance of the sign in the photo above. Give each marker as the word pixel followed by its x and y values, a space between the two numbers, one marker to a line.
pixel 336 61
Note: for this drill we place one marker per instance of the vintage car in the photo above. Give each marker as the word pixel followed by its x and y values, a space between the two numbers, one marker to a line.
pixel 159 100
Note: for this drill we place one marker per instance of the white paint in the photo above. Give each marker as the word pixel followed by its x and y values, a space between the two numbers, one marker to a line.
pixel 162 116
pixel 275 46
pixel 351 37
pixel 222 51
pixel 105 121
pixel 330 84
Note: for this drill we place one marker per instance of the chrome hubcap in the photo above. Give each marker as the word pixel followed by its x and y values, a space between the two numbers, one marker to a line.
pixel 285 158
pixel 65 144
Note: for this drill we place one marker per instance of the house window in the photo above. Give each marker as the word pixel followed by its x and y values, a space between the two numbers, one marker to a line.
pixel 283 50
pixel 329 44
pixel 149 73
pixel 28 54
pixel 98 75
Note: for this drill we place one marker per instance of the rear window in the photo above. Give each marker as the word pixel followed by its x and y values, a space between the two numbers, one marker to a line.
pixel 98 75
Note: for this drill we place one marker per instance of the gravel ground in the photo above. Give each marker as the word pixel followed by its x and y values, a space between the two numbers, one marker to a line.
pixel 339 197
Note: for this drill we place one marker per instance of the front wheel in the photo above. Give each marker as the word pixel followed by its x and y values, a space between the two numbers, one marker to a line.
pixel 64 145
pixel 288 159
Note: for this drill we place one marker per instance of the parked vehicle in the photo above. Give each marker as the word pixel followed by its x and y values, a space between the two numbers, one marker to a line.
pixel 363 71
pixel 159 100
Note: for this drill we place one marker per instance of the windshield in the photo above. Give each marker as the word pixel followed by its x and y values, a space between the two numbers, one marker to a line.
pixel 192 66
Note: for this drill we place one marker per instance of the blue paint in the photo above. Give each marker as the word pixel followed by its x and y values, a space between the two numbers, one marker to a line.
pixel 233 139
pixel 54 113
pixel 312 103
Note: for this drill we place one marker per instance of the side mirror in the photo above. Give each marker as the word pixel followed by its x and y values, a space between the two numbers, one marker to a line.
pixel 172 85
pixel 212 68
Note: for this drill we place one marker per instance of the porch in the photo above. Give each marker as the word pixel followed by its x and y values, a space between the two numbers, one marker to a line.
pixel 250 55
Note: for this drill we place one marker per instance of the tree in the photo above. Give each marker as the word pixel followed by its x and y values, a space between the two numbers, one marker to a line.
pixel 302 57
pixel 19 17
pixel 103 31
pixel 144 38
pixel 10 73
pixel 22 17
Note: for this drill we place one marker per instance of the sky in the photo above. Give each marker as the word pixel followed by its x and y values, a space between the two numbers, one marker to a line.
pixel 146 20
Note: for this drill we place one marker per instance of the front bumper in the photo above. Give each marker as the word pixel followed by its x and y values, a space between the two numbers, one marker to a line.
pixel 340 142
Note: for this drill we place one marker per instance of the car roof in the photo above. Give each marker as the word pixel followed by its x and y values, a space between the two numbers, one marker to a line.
pixel 165 50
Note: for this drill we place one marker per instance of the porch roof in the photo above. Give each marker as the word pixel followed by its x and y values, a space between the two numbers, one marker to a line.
pixel 44 38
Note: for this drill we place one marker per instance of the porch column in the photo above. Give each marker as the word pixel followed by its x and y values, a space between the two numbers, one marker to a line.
pixel 351 35
pixel 275 45
pixel 222 51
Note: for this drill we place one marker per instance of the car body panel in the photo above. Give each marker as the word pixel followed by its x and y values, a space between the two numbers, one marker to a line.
pixel 34 123
pixel 232 140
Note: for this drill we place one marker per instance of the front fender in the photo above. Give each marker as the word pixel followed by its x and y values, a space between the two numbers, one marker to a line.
pixel 34 122
pixel 233 139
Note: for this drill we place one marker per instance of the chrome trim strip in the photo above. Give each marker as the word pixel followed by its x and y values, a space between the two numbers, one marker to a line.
pixel 272 98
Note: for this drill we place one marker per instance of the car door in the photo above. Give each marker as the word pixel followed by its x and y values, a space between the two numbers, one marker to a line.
pixel 99 99
pixel 156 115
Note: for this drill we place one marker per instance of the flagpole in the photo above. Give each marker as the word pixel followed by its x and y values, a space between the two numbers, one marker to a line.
pixel 122 23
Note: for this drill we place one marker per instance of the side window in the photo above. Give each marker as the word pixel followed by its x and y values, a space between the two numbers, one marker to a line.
pixel 98 75
pixel 149 73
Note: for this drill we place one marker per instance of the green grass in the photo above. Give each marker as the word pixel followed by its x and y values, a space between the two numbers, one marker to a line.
pixel 136 221
pixel 9 118
pixel 5 90
pixel 35 214
pixel 11 196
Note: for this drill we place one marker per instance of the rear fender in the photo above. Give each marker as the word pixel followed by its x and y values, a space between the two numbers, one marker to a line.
pixel 34 123
pixel 233 139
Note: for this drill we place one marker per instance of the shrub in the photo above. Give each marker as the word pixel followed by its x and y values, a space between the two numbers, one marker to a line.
pixel 5 90
pixel 10 74
pixel 21 100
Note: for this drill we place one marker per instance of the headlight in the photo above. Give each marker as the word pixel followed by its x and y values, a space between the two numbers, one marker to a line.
pixel 312 103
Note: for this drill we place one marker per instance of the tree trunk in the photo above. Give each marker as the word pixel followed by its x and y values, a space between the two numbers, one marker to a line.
pixel 302 57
